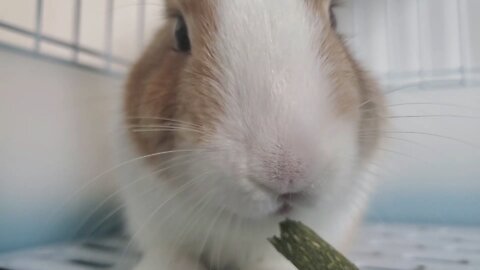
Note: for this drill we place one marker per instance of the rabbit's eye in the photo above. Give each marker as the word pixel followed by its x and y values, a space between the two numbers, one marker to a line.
pixel 181 36
pixel 333 17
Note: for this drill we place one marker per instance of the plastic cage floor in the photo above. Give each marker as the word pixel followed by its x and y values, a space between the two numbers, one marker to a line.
pixel 379 247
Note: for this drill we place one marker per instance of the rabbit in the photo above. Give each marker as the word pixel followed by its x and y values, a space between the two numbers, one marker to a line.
pixel 240 114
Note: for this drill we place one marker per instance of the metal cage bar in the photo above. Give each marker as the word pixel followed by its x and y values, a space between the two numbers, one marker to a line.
pixel 77 22
pixel 61 43
pixel 463 37
pixel 421 72
pixel 391 74
pixel 141 23
pixel 109 59
pixel 38 24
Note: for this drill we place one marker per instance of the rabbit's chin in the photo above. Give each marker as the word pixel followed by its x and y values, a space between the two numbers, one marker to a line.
pixel 213 239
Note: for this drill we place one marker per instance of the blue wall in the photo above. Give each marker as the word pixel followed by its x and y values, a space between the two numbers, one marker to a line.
pixel 411 206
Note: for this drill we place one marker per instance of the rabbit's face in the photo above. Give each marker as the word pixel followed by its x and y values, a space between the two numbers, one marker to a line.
pixel 261 99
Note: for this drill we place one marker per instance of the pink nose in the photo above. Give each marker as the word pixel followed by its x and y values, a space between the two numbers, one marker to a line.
pixel 287 197
pixel 285 175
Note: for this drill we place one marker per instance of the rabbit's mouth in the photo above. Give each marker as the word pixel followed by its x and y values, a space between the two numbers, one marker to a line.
pixel 284 209
pixel 287 202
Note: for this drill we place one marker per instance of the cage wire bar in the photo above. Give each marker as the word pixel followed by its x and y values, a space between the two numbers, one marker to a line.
pixel 76 28
pixel 141 24
pixel 109 36
pixel 38 27
pixel 423 77
pixel 76 48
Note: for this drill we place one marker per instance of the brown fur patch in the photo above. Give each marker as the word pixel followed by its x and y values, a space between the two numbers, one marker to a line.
pixel 320 6
pixel 165 84
pixel 333 53
pixel 356 94
pixel 323 6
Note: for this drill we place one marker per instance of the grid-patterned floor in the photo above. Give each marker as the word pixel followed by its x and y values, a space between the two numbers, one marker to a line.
pixel 380 247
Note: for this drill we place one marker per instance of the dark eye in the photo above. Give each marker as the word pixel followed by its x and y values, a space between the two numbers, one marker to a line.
pixel 181 36
pixel 333 17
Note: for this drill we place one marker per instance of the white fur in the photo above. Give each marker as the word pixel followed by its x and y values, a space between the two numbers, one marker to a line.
pixel 277 94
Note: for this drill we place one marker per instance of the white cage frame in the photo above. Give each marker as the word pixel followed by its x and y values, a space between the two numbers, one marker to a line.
pixel 462 75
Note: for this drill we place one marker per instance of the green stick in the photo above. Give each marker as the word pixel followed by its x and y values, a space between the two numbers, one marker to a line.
pixel 308 251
